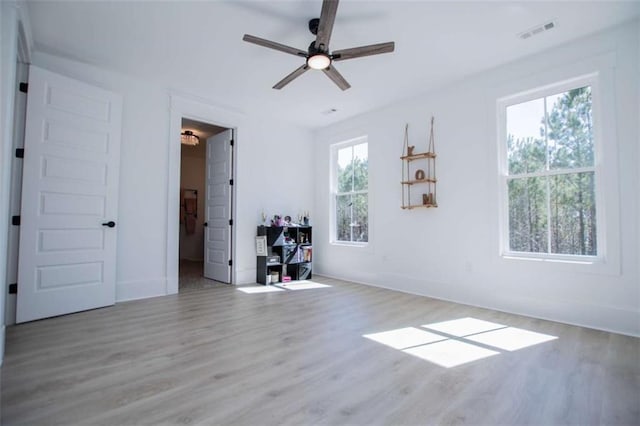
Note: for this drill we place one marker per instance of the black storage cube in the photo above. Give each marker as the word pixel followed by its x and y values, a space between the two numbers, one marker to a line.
pixel 304 271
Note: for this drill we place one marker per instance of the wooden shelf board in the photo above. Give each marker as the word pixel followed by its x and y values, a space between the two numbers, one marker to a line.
pixel 413 182
pixel 418 156
pixel 415 206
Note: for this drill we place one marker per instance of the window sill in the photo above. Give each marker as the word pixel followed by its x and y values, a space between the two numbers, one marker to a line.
pixel 539 257
pixel 586 264
pixel 349 244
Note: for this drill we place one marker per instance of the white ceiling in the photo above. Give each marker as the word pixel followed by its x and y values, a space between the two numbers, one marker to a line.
pixel 197 48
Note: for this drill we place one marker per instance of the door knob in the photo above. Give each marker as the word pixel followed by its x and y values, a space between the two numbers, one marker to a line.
pixel 110 224
pixel 206 224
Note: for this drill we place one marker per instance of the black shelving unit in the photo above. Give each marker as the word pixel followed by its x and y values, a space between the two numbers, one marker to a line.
pixel 289 253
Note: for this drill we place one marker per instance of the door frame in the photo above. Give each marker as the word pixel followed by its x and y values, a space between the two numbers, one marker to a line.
pixel 15 65
pixel 182 106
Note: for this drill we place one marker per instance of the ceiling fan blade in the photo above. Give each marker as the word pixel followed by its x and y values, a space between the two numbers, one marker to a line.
pixel 273 45
pixel 358 52
pixel 336 77
pixel 325 26
pixel 288 79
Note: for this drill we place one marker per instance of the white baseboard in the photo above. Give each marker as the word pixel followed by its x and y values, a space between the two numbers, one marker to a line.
pixel 610 319
pixel 141 289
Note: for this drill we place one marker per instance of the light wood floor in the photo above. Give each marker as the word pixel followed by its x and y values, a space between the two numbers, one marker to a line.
pixel 191 276
pixel 220 356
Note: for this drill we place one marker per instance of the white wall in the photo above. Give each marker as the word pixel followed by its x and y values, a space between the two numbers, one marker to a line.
pixel 264 145
pixel 192 176
pixel 452 252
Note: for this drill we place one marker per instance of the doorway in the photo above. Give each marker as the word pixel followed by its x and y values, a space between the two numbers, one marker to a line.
pixel 204 242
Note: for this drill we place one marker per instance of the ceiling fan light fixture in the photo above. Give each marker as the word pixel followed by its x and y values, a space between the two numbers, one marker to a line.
pixel 188 138
pixel 319 61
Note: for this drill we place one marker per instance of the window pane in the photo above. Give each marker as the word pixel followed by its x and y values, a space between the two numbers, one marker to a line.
pixel 360 167
pixel 526 148
pixel 573 214
pixel 528 215
pixel 360 222
pixel 570 129
pixel 343 217
pixel 345 169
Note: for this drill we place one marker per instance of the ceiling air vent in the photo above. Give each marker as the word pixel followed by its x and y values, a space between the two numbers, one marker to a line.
pixel 538 29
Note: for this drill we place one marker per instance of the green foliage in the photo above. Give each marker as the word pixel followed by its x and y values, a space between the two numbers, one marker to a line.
pixel 555 213
pixel 354 177
pixel 352 222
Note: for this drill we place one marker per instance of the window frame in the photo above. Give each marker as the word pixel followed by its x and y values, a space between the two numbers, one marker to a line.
pixel 592 80
pixel 333 189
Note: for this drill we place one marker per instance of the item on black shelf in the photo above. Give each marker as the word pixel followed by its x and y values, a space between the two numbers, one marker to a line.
pixel 286 279
pixel 273 259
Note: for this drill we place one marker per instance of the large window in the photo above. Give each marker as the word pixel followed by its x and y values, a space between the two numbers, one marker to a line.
pixel 550 173
pixel 350 192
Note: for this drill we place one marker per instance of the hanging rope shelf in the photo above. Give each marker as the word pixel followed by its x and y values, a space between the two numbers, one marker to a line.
pixel 419 173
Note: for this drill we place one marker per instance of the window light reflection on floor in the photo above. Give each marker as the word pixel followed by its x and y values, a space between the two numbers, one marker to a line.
pixel 259 289
pixel 293 285
pixel 404 338
pixel 463 326
pixel 456 342
pixel 450 353
pixel 511 338
pixel 301 285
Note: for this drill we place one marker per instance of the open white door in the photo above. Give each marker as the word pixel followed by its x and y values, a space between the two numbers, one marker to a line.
pixel 217 236
pixel 69 197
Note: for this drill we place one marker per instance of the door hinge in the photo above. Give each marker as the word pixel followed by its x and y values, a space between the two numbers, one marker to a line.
pixel 231 142
pixel 231 182
pixel 15 220
pixel 19 152
pixel 230 222
pixel 23 87
pixel 13 288
pixel 230 262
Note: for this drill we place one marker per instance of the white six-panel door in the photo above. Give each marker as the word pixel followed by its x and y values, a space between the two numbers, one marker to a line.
pixel 69 196
pixel 217 236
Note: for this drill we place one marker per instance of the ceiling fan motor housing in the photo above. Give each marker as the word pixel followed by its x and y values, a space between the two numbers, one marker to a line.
pixel 314 51
pixel 313 25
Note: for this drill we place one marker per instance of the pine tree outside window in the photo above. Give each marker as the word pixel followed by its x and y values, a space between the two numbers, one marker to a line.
pixel 550 175
pixel 350 192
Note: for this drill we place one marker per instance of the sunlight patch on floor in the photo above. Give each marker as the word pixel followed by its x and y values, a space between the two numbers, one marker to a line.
pixel 456 342
pixel 463 326
pixel 259 289
pixel 282 287
pixel 450 353
pixel 511 338
pixel 301 285
pixel 404 338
